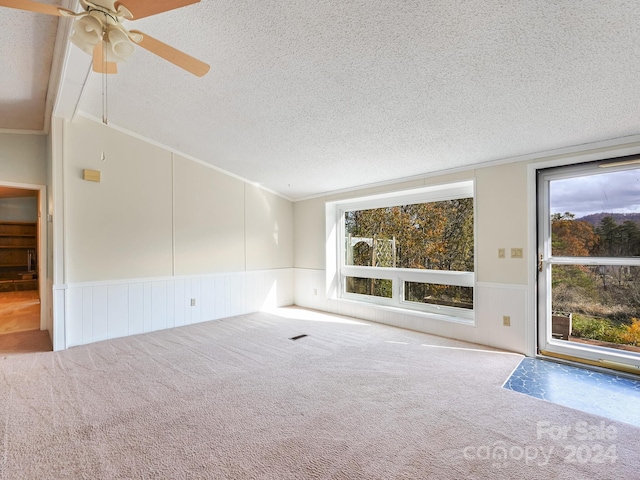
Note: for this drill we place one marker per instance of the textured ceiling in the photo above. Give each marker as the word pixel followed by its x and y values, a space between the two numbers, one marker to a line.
pixel 310 96
pixel 26 51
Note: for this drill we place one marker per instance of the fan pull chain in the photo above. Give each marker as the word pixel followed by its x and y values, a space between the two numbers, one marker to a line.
pixel 104 78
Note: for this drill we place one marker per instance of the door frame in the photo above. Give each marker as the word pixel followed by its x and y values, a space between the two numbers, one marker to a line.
pixel 590 354
pixel 558 158
pixel 43 261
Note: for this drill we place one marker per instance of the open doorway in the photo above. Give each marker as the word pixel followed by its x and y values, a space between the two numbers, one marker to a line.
pixel 21 316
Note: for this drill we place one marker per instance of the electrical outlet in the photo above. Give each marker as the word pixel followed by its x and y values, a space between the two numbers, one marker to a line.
pixel 516 253
pixel 193 302
pixel 315 291
pixel 501 253
pixel 506 320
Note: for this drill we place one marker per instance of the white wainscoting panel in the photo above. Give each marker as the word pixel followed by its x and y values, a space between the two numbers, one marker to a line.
pixel 60 300
pixel 118 311
pixel 59 308
pixel 87 315
pixel 492 302
pixel 97 311
pixel 135 303
pixel 179 293
pixel 159 305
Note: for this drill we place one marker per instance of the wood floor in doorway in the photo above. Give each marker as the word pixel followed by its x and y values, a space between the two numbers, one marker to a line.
pixel 19 311
pixel 24 342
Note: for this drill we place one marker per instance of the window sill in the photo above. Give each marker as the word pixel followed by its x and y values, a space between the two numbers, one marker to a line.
pixel 411 312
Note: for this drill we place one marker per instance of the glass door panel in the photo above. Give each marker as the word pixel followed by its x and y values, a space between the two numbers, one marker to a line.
pixel 589 269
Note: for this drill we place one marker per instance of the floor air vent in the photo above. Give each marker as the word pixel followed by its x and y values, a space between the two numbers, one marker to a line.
pixel 298 337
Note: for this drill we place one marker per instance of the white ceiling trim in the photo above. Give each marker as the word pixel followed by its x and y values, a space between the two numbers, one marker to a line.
pixel 59 64
pixel 70 72
pixel 150 141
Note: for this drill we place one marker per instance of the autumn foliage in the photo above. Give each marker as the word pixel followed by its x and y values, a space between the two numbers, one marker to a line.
pixel 434 236
pixel 607 297
pixel 572 238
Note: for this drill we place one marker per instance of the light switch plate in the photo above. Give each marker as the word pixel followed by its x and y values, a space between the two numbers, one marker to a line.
pixel 516 253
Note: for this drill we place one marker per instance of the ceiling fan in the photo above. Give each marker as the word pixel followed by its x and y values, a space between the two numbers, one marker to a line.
pixel 99 31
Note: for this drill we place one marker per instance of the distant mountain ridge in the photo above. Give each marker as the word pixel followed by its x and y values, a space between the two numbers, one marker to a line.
pixel 595 218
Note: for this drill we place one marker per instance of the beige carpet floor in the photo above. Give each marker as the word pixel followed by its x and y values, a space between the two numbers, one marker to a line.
pixel 237 399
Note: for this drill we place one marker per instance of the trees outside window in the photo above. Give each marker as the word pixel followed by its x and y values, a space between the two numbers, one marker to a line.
pixel 415 251
pixel 604 300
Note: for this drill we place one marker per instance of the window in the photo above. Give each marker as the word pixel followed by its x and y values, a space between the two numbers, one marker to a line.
pixel 411 250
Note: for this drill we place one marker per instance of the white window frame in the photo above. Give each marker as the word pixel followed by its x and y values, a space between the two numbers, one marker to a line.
pixel 337 270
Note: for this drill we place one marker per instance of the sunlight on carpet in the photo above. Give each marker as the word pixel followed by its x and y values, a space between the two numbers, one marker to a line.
pixel 313 316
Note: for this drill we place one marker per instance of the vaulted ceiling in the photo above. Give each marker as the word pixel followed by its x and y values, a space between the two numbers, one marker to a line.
pixel 306 97
pixel 26 52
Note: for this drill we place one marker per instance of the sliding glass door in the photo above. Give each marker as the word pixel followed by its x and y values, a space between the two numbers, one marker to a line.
pixel 589 263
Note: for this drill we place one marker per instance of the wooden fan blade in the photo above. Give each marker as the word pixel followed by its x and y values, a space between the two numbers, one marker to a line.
pixel 35 7
pixel 181 59
pixel 146 8
pixel 99 65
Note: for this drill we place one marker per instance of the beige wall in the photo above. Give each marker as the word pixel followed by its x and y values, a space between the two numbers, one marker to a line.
pixel 501 221
pixel 309 234
pixel 121 227
pixel 23 158
pixel 209 220
pixel 158 214
pixel 269 230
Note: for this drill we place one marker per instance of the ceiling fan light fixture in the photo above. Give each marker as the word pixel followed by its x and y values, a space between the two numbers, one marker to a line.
pixel 93 28
pixel 120 47
pixel 87 33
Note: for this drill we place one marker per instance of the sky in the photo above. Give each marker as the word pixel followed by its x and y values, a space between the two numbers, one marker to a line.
pixel 611 192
